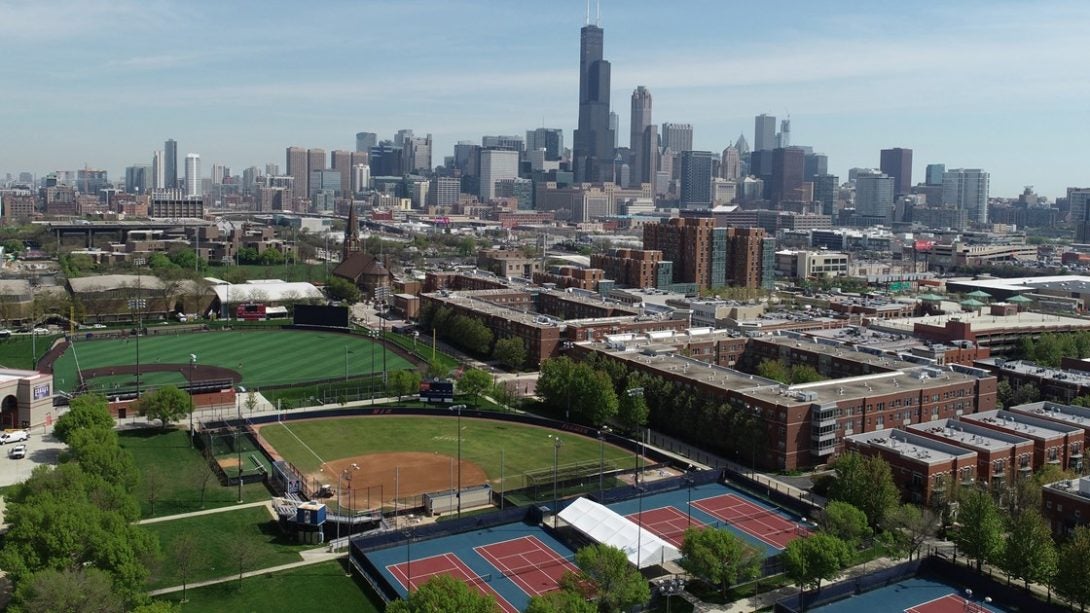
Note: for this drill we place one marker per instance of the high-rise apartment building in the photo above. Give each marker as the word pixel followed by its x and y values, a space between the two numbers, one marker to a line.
pixel 192 175
pixel 361 178
pixel 170 163
pixel 496 164
pixel 764 133
pixel 592 147
pixel 137 178
pixel 696 179
pixel 219 173
pixel 316 160
pixel 640 121
pixel 967 190
pixel 297 169
pixel 677 136
pixel 365 140
pixel 706 255
pixel 934 174
pixel 874 194
pixel 788 169
pixel 826 188
pixel 446 191
pixel 417 155
pixel 897 163
pixel 324 180
pixel 1078 202
pixel 816 164
pixel 343 162
pixel 158 171
pixel 549 139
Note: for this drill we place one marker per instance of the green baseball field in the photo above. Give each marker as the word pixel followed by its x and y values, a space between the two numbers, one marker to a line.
pixel 256 358
pixel 424 449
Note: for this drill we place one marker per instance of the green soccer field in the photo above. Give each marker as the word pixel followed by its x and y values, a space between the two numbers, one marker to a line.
pixel 268 357
pixel 525 448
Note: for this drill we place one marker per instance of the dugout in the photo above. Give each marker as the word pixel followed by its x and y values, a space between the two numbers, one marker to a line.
pixel 446 501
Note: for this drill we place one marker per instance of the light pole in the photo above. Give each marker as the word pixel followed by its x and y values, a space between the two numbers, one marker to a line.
pixel 670 588
pixel 689 505
pixel 137 304
pixel 458 495
pixel 556 462
pixel 238 450
pixel 408 563
pixel 633 393
pixel 374 337
pixel 192 405
pixel 602 432
pixel 346 352
pixel 971 606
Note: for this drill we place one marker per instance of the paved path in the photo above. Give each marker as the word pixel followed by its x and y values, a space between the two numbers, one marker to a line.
pixel 310 557
pixel 234 507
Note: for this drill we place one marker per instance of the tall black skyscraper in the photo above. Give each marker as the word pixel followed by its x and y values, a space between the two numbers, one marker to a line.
pixel 170 163
pixel 592 148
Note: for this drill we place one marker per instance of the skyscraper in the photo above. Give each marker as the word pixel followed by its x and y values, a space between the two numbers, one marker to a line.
pixel 343 162
pixel 874 193
pixel 192 175
pixel 696 179
pixel 614 126
pixel 934 174
pixel 593 140
pixel 764 133
pixel 730 167
pixel 816 164
pixel 365 140
pixel 549 139
pixel 641 119
pixel 170 163
pixel 897 163
pixel 297 169
pixel 496 164
pixel 158 171
pixel 967 189
pixel 788 169
pixel 783 139
pixel 826 187
pixel 677 136
pixel 417 154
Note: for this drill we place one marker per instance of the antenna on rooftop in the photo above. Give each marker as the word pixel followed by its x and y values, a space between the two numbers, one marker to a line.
pixel 598 13
pixel 586 21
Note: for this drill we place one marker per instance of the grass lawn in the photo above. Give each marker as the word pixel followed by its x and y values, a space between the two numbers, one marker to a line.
pixel 265 357
pixel 525 447
pixel 323 586
pixel 289 272
pixel 184 470
pixel 422 349
pixel 15 352
pixel 218 534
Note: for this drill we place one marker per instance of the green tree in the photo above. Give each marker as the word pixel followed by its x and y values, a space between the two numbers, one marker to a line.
pixel 69 590
pixel 1029 553
pixel 980 534
pixel 719 557
pixel 865 483
pixel 845 522
pixel 775 370
pixel 474 382
pixel 511 352
pixel 99 454
pixel 247 255
pixel 167 404
pixel 577 391
pixel 606 574
pixel 907 526
pixel 243 554
pixel 804 373
pixel 84 411
pixel 271 257
pixel 343 290
pixel 1072 572
pixel 1004 393
pixel 1025 393
pixel 404 383
pixel 811 560
pixel 560 601
pixel 444 593
pixel 632 412
pixel 158 606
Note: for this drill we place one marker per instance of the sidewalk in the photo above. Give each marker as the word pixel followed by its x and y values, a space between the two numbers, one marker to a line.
pixel 228 509
pixel 310 557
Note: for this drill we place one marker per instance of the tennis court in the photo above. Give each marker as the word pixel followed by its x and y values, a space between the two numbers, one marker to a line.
pixel 751 518
pixel 666 522
pixel 915 595
pixel 531 564
pixel 418 572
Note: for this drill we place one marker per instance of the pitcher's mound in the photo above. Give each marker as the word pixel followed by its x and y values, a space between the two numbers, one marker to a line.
pixel 368 479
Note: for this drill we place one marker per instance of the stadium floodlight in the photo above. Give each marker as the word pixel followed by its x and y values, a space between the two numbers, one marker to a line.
pixel 458 496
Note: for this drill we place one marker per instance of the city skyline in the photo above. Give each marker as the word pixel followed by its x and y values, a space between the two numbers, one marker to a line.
pixel 964 87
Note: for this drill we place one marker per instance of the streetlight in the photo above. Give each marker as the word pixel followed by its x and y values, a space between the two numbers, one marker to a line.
pixel 408 532
pixel 192 405
pixel 556 462
pixel 973 606
pixel 634 393
pixel 670 588
pixel 238 450
pixel 137 304
pixel 602 432
pixel 458 496
pixel 346 352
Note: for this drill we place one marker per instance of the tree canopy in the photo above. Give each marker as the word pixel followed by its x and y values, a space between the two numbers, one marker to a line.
pixel 167 404
pixel 719 557
pixel 606 575
pixel 1072 572
pixel 980 534
pixel 866 483
pixel 511 352
pixel 84 411
pixel 474 382
pixel 1029 553
pixel 560 601
pixel 577 391
pixel 444 593
pixel 816 558
pixel 845 522
pixel 342 289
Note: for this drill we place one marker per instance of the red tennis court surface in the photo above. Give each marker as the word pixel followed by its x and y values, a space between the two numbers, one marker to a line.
pixel 758 521
pixel 950 603
pixel 528 563
pixel 667 522
pixel 445 564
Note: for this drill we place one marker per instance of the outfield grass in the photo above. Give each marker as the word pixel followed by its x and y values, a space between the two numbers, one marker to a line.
pixel 322 586
pixel 15 352
pixel 217 533
pixel 183 469
pixel 262 357
pixel 525 447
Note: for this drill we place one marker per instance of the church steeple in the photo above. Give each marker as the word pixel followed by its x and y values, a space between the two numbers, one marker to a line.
pixel 351 235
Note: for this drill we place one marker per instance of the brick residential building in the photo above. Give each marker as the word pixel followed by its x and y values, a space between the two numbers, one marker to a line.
pixel 1066 504
pixel 709 256
pixel 1001 457
pixel 1053 442
pixel 923 468
pixel 632 267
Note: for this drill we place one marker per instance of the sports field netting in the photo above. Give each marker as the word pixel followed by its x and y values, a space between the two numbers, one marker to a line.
pixel 262 358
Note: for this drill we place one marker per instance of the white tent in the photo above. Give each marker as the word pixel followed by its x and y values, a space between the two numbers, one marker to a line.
pixel 604 526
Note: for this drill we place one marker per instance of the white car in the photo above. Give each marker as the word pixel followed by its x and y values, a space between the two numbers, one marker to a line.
pixel 15 436
pixel 40 331
pixel 17 452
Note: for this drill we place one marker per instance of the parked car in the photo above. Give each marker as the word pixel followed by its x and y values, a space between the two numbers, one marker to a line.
pixel 41 331
pixel 14 436
pixel 17 452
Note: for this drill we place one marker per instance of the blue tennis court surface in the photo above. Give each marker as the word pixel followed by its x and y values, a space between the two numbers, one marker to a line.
pixel 915 595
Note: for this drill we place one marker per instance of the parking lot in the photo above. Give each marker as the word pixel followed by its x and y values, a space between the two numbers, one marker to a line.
pixel 42 448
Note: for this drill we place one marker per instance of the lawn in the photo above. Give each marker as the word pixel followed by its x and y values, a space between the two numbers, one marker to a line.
pixel 15 352
pixel 184 472
pixel 265 357
pixel 525 447
pixel 219 535
pixel 323 586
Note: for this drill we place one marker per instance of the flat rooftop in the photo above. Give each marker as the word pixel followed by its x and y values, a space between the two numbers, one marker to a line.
pixel 1030 368
pixel 986 322
pixel 911 446
pixel 969 435
pixel 1026 425
pixel 1071 415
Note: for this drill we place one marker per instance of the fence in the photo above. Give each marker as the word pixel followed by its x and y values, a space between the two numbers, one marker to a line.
pixel 447 501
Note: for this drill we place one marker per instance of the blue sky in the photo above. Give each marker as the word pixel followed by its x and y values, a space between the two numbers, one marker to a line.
pixel 993 85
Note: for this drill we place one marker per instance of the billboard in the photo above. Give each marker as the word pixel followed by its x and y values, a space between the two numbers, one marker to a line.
pixel 321 315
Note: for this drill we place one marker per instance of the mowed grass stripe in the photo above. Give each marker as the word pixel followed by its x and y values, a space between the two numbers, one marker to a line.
pixel 262 357
pixel 526 448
